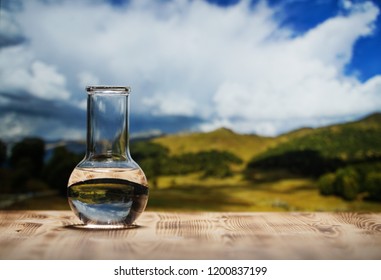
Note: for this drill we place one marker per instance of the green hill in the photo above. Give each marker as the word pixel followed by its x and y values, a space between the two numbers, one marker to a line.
pixel 351 141
pixel 332 168
pixel 344 159
pixel 243 146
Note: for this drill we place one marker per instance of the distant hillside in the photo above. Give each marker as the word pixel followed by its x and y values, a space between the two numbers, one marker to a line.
pixel 348 141
pixel 243 146
pixel 345 141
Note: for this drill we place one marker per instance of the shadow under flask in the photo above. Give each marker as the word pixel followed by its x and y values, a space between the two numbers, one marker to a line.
pixel 107 188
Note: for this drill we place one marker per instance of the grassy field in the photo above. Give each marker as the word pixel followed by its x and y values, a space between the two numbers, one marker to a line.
pixel 190 193
pixel 293 194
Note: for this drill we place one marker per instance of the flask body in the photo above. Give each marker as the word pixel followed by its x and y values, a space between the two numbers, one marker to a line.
pixel 107 188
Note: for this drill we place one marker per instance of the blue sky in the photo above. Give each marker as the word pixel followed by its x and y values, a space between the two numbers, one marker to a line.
pixel 263 67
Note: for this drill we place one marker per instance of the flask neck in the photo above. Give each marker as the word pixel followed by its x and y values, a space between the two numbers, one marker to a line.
pixel 107 125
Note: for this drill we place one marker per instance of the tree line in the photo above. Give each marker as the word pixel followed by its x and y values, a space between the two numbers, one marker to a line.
pixel 28 170
pixel 349 179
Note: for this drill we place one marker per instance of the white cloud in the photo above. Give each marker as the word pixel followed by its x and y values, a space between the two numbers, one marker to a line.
pixel 231 66
pixel 21 72
pixel 346 4
pixel 171 103
pixel 86 79
pixel 12 126
pixel 332 41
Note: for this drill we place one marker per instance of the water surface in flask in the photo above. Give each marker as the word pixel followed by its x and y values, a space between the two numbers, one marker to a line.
pixel 107 197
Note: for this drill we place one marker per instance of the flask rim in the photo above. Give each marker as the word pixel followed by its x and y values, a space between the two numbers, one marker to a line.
pixel 108 89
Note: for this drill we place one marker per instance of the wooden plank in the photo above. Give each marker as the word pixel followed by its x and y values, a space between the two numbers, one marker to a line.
pixel 164 235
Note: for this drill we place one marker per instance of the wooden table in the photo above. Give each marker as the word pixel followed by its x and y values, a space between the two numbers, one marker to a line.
pixel 199 235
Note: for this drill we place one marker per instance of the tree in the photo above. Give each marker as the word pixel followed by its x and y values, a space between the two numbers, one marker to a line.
pixel 59 168
pixel 26 161
pixel 326 184
pixel 298 162
pixel 347 183
pixel 211 163
pixel 151 157
pixel 373 186
pixel 3 152
pixel 28 155
pixel 216 163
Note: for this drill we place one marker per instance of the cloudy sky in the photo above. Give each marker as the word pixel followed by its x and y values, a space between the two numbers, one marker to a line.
pixel 262 67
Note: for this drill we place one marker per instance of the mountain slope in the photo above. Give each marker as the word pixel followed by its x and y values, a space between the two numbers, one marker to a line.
pixel 243 146
pixel 353 140
pixel 348 141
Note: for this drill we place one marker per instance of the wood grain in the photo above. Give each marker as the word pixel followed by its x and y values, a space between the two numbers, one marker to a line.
pixel 163 235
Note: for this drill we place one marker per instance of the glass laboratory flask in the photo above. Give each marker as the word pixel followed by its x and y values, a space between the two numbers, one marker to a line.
pixel 107 188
